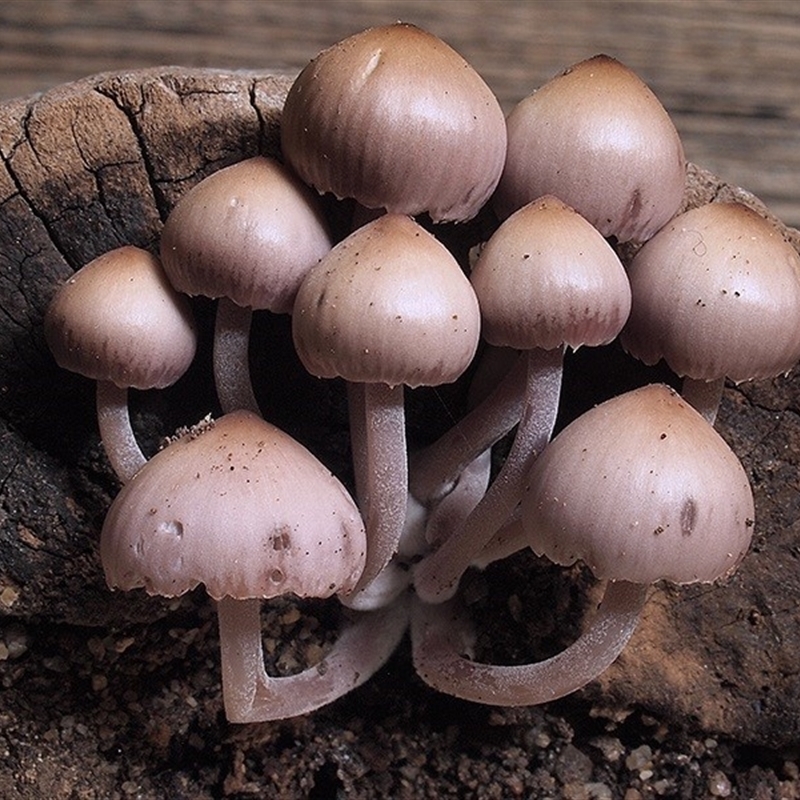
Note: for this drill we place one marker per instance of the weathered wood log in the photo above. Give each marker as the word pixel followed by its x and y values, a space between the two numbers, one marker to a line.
pixel 99 163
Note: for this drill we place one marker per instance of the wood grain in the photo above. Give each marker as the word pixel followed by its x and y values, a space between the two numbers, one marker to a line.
pixel 725 69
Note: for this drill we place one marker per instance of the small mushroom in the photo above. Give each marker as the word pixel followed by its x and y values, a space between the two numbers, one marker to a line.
pixel 546 279
pixel 640 488
pixel 396 119
pixel 716 294
pixel 247 511
pixel 247 234
pixel 118 321
pixel 599 139
pixel 388 307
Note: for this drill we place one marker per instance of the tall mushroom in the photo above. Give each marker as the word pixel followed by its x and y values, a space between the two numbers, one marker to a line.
pixel 640 488
pixel 546 279
pixel 245 510
pixel 599 139
pixel 118 321
pixel 396 119
pixel 716 294
pixel 247 235
pixel 388 307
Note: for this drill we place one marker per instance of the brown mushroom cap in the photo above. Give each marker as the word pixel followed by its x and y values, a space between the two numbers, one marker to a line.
pixel 396 119
pixel 242 508
pixel 641 488
pixel 389 304
pixel 546 278
pixel 599 139
pixel 118 319
pixel 716 294
pixel 249 232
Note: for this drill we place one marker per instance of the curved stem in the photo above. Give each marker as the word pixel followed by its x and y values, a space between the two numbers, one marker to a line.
pixel 250 695
pixel 384 476
pixel 704 396
pixel 436 576
pixel 510 539
pixel 392 581
pixel 434 469
pixel 357 413
pixel 114 421
pixel 440 634
pixel 231 357
pixel 449 513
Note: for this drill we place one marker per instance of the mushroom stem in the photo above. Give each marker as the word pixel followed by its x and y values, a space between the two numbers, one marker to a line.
pixel 510 539
pixel 114 421
pixel 440 634
pixel 251 695
pixel 384 476
pixel 436 577
pixel 231 357
pixel 357 414
pixel 703 396
pixel 434 469
pixel 450 512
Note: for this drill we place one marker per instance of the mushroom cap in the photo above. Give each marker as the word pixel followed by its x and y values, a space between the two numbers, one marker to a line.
pixel 641 488
pixel 118 319
pixel 546 278
pixel 599 139
pixel 242 508
pixel 716 294
pixel 389 304
pixel 395 118
pixel 249 232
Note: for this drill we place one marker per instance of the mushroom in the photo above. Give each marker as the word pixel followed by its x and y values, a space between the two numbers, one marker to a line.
pixel 244 509
pixel 118 321
pixel 396 119
pixel 247 234
pixel 546 279
pixel 640 488
pixel 388 307
pixel 716 294
pixel 596 137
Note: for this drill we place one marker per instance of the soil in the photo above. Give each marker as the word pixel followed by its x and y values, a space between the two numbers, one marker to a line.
pixel 136 712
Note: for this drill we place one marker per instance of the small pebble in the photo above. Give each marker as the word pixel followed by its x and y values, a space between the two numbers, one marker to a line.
pixel 640 759
pixel 719 785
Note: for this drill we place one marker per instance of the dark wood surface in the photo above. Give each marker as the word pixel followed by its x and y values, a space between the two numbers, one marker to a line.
pixel 725 69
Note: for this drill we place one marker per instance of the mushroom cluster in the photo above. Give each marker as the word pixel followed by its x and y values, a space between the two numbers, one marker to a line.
pixel 399 131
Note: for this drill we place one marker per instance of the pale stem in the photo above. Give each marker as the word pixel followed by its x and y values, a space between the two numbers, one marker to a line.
pixel 704 396
pixel 384 474
pixel 434 469
pixel 436 576
pixel 251 695
pixel 395 578
pixel 449 513
pixel 356 408
pixel 440 636
pixel 114 422
pixel 231 357
pixel 510 539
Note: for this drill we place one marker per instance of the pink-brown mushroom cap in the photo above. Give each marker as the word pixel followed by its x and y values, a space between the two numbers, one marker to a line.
pixel 546 278
pixel 118 319
pixel 242 508
pixel 641 488
pixel 598 138
pixel 389 304
pixel 249 232
pixel 395 118
pixel 716 294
